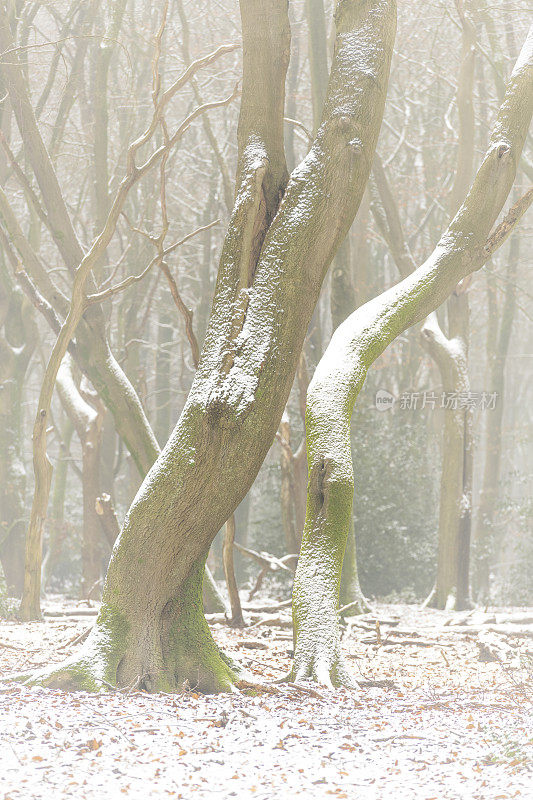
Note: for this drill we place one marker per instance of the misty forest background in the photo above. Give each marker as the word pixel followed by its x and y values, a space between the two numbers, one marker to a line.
pixel 90 67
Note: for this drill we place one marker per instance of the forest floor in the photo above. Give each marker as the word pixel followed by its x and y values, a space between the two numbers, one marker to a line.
pixel 450 716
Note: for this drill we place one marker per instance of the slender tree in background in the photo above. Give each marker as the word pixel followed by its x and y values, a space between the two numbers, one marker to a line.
pixel 450 353
pixel 498 338
pixel 18 339
pixel 87 419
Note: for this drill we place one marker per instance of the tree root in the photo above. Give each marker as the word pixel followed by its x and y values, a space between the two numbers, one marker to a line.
pixel 326 667
pixel 358 606
pixel 74 674
pixel 113 664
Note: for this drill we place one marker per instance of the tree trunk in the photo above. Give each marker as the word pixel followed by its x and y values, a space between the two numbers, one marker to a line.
pixel 18 337
pixel 356 344
pixel 56 522
pixel 287 487
pixel 236 620
pixel 280 242
pixel 455 513
pixel 497 349
pixel 88 424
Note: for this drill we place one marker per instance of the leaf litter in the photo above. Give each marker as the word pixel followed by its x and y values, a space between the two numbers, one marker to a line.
pixel 444 711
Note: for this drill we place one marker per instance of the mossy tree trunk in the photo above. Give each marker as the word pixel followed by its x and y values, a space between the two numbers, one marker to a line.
pixel 343 286
pixel 465 246
pixel 281 239
pixel 344 295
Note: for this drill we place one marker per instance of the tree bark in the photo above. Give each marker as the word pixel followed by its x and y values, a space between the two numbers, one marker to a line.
pixel 280 242
pixel 455 511
pixel 464 247
pixel 497 349
pixel 18 338
pixel 88 423
pixel 236 620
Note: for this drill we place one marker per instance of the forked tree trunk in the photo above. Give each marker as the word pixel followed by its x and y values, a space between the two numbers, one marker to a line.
pixel 464 247
pixel 281 239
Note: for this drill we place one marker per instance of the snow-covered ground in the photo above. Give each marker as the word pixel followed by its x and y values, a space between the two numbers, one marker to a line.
pixel 449 726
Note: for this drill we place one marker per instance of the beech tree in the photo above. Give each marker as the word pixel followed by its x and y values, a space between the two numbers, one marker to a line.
pixel 464 247
pixel 282 236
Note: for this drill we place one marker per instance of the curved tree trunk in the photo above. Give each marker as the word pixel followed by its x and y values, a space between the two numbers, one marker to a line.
pixel 464 247
pixel 280 242
pixel 343 289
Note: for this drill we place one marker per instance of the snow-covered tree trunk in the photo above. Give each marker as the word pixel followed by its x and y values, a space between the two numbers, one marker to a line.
pixel 281 239
pixel 464 247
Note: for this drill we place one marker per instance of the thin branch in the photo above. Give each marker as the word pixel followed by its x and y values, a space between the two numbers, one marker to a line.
pixel 119 287
pixel 23 180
